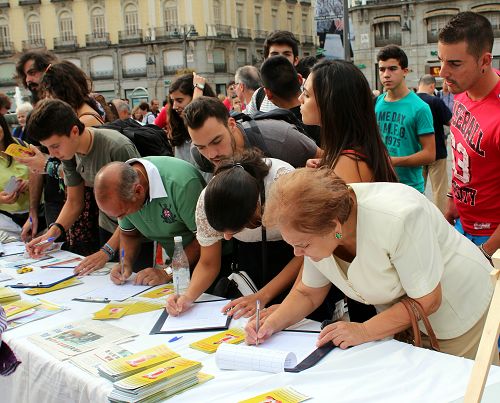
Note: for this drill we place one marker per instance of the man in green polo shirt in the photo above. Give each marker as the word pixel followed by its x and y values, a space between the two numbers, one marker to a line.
pixel 154 197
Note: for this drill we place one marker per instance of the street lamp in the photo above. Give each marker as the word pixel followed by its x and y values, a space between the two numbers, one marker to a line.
pixel 187 33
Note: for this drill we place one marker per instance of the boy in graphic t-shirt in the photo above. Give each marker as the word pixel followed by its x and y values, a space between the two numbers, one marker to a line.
pixel 405 120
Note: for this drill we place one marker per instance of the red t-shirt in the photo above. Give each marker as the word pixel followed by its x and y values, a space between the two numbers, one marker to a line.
pixel 475 140
pixel 161 119
pixel 227 103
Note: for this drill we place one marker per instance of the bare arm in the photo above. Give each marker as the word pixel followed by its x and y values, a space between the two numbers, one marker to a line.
pixel 130 241
pixel 423 157
pixel 193 252
pixel 35 187
pixel 352 170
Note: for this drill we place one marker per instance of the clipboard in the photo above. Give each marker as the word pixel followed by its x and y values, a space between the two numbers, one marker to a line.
pixel 40 284
pixel 157 328
pixel 112 292
pixel 312 359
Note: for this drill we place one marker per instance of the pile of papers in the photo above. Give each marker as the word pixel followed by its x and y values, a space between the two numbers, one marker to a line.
pixel 42 310
pixel 159 382
pixel 8 295
pixel 116 310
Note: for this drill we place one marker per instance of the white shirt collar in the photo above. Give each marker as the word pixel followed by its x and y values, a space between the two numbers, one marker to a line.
pixel 156 188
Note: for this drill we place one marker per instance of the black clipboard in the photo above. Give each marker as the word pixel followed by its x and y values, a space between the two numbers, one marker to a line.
pixel 161 320
pixel 39 285
pixel 312 359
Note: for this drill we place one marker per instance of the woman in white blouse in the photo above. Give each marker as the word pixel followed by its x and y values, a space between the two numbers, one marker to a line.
pixel 377 242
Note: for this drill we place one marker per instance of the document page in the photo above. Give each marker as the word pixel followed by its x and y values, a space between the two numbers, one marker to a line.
pixel 201 316
pixel 41 277
pixel 113 292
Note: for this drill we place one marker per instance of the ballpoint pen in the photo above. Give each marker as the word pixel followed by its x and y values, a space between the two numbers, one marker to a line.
pixel 257 320
pixel 48 240
pixel 122 258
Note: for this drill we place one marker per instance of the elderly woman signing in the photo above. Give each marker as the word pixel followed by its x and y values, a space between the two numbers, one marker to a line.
pixel 377 242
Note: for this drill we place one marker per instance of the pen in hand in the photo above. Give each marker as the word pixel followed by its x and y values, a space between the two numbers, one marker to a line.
pixel 257 320
pixel 48 240
pixel 122 271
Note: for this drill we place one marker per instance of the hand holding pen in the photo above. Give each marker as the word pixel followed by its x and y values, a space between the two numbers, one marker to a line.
pixel 39 245
pixel 257 321
pixel 122 266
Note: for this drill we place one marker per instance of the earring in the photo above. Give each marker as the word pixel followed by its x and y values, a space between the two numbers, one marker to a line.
pixel 338 235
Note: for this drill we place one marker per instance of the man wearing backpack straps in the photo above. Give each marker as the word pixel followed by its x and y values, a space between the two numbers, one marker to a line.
pixel 215 135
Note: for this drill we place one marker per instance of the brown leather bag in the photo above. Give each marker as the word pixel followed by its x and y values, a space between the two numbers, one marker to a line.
pixel 413 336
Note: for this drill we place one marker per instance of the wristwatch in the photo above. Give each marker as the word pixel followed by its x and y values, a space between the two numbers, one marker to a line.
pixel 59 226
pixel 200 86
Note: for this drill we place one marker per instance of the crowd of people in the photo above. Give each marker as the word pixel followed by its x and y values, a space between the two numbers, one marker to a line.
pixel 300 177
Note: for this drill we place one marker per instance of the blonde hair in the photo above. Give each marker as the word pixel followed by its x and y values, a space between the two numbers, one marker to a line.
pixel 308 200
pixel 25 107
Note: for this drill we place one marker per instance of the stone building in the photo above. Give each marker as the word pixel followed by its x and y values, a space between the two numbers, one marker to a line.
pixel 413 25
pixel 134 48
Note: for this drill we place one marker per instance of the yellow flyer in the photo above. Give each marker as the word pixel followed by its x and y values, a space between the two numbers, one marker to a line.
pixel 163 291
pixel 281 395
pixel 8 295
pixel 19 306
pixel 112 311
pixel 16 150
pixel 116 310
pixel 141 360
pixel 64 284
pixel 168 370
pixel 212 343
pixel 145 306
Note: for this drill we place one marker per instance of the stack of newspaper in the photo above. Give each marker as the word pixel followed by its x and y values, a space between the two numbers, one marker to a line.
pixel 157 382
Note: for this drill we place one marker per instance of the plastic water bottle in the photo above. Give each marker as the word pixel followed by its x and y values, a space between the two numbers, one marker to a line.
pixel 180 267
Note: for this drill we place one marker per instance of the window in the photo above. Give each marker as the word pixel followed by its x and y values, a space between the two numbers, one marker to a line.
pixel 134 65
pixel 170 16
pixel 242 57
pixel 274 18
pixel 219 61
pixel 305 24
pixel 65 26
pixel 173 60
pixel 4 32
pixel 76 62
pixel 131 19
pixel 101 67
pixel 434 24
pixel 289 20
pixel 217 12
pixel 494 17
pixel 240 16
pixel 258 18
pixel 34 28
pixel 387 33
pixel 97 24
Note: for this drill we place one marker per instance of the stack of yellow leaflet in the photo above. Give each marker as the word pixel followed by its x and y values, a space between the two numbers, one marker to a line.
pixel 212 343
pixel 127 366
pixel 116 310
pixel 159 382
pixel 59 286
pixel 8 295
pixel 15 308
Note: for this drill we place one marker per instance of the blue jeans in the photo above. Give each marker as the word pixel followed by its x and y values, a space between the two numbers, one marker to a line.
pixel 477 240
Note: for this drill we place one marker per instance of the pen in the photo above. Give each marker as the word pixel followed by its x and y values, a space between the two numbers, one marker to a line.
pixel 175 339
pixel 257 320
pixel 48 240
pixel 121 261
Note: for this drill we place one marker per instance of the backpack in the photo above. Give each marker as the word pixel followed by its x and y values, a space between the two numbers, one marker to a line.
pixel 259 97
pixel 148 139
pixel 252 132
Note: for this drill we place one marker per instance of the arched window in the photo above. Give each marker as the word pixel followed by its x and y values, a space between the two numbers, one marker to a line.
pixel 7 73
pixel 97 22
pixel 387 30
pixel 101 67
pixel 34 28
pixel 173 60
pixel 170 15
pixel 65 26
pixel 494 17
pixel 134 65
pixel 434 25
pixel 131 19
pixel 4 32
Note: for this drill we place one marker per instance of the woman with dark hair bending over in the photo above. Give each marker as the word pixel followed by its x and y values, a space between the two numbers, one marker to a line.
pixel 337 97
pixel 231 206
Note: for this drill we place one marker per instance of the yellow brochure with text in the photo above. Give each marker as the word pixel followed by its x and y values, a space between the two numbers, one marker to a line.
pixel 212 343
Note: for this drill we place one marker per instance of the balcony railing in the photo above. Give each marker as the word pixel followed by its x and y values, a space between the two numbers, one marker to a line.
pixel 102 75
pixel 7 81
pixel 134 72
pixel 244 33
pixel 29 2
pixel 260 34
pixel 390 40
pixel 172 69
pixel 308 39
pixel 6 48
pixel 223 31
pixel 97 39
pixel 220 68
pixel 67 42
pixel 130 36
pixel 4 4
pixel 165 33
pixel 37 43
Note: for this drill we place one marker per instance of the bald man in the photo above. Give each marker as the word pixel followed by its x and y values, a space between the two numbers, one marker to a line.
pixel 155 198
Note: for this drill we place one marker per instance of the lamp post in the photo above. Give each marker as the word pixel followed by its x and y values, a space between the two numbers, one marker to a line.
pixel 347 45
pixel 187 33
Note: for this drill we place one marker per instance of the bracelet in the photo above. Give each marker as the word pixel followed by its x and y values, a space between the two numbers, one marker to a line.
pixel 107 253
pixel 450 195
pixel 486 255
pixel 59 226
pixel 109 249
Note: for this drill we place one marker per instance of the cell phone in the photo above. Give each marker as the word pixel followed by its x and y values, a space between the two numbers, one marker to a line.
pixel 12 185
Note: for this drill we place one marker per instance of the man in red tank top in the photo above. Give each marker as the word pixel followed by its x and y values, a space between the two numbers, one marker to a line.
pixel 464 48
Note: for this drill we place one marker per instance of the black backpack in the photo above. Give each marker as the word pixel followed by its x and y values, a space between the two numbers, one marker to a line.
pixel 252 132
pixel 148 139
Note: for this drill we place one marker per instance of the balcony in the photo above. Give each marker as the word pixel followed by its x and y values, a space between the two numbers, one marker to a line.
pixel 172 70
pixel 6 48
pixel 390 40
pixel 308 39
pixel 66 42
pixel 134 72
pixel 35 43
pixel 97 39
pixel 220 68
pixel 4 4
pixel 29 2
pixel 102 75
pixel 130 36
pixel 244 33
pixel 165 33
pixel 260 34
pixel 7 81
pixel 223 31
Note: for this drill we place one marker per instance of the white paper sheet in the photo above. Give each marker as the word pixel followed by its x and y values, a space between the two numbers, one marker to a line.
pixel 41 277
pixel 201 316
pixel 12 248
pixel 113 292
